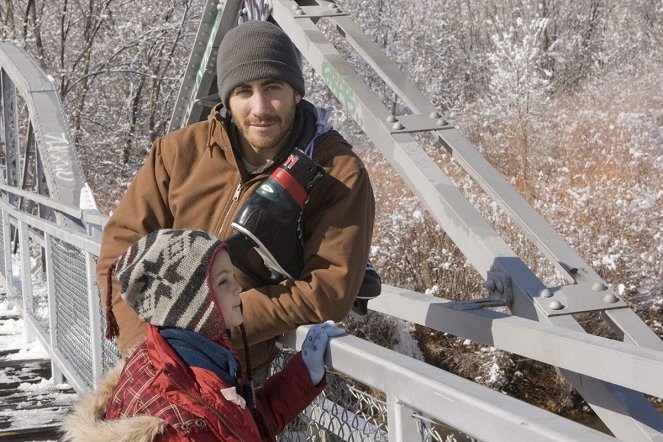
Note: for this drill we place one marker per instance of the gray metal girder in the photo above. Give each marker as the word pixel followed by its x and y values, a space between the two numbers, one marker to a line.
pixel 477 410
pixel 58 155
pixel 10 133
pixel 628 415
pixel 199 82
pixel 612 361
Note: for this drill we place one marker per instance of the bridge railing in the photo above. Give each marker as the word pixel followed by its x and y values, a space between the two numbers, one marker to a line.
pixel 373 393
pixel 49 271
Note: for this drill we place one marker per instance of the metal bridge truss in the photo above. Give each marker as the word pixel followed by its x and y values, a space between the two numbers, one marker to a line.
pixel 374 393
pixel 37 151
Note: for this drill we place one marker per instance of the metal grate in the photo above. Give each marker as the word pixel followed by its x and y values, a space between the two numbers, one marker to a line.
pixel 110 354
pixel 72 321
pixel 349 411
pixel 343 412
pixel 3 270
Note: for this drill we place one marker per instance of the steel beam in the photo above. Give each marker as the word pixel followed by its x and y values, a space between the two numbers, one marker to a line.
pixel 534 226
pixel 58 154
pixel 6 255
pixel 601 358
pixel 402 427
pixel 483 247
pixel 548 241
pixel 71 236
pixel 471 408
pixel 200 77
pixel 10 133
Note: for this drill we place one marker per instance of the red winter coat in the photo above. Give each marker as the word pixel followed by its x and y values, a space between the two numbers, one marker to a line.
pixel 155 382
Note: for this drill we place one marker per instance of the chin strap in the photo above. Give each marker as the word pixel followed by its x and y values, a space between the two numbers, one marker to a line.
pixel 248 390
pixel 112 329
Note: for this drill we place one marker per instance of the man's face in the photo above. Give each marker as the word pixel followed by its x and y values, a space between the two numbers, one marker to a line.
pixel 264 113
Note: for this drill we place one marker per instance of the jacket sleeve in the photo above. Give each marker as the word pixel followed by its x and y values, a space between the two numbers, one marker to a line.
pixel 143 208
pixel 286 394
pixel 337 230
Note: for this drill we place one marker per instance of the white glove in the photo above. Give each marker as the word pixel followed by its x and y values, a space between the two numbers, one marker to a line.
pixel 315 344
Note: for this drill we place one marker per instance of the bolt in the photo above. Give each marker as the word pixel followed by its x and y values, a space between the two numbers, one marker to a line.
pixel 490 285
pixel 555 305
pixel 610 298
pixel 598 287
pixel 441 122
pixel 299 12
pixel 295 7
pixel 545 293
pixel 391 119
pixel 397 126
pixel 433 115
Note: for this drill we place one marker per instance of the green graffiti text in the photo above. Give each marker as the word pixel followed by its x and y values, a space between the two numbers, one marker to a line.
pixel 343 91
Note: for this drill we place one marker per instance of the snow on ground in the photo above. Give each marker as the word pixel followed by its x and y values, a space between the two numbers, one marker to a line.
pixel 12 337
pixel 36 401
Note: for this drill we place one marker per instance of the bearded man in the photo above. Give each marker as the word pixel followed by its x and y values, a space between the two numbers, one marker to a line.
pixel 205 175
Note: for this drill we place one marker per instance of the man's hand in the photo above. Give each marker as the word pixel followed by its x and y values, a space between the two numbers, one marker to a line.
pixel 315 344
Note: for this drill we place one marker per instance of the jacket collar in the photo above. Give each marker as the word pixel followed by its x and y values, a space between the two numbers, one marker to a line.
pixel 198 351
pixel 165 359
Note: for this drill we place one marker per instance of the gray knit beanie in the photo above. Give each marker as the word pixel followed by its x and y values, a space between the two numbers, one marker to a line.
pixel 256 50
pixel 165 278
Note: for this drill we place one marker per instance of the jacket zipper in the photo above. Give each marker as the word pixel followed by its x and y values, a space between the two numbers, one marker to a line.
pixel 235 198
pixel 233 201
pixel 203 403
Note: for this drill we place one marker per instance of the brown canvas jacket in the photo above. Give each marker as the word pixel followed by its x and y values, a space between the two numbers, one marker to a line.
pixel 191 179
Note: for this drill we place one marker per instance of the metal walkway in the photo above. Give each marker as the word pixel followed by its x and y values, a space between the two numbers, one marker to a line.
pixel 30 409
pixel 408 397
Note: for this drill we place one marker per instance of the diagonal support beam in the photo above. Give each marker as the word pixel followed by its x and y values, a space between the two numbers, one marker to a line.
pixel 629 416
pixel 601 358
pixel 604 372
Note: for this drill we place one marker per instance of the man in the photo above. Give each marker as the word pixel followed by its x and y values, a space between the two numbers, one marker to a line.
pixel 201 176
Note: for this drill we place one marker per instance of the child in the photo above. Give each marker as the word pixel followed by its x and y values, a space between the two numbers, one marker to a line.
pixel 181 383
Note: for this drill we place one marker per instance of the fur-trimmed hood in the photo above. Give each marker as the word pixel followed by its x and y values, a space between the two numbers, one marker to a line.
pixel 86 423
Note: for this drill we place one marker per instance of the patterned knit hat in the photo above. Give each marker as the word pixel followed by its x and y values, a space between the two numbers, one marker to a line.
pixel 165 278
pixel 256 50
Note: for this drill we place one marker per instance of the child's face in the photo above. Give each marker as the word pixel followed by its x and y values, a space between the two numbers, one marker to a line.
pixel 226 289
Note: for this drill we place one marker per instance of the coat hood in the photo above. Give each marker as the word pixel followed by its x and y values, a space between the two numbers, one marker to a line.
pixel 86 423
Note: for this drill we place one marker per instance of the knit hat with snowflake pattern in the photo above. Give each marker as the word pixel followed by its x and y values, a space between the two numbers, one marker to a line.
pixel 165 278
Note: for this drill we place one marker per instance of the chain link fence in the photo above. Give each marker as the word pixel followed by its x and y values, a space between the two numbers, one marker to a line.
pixel 3 270
pixel 72 309
pixel 350 411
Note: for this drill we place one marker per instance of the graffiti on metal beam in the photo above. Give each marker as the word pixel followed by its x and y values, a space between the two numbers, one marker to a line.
pixel 343 91
pixel 59 157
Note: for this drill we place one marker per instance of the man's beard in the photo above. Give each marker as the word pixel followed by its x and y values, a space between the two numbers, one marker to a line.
pixel 268 141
